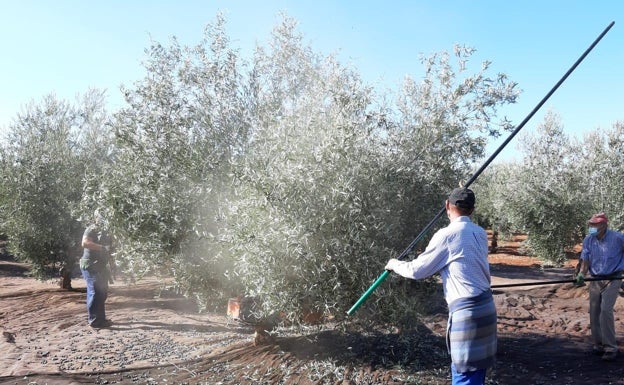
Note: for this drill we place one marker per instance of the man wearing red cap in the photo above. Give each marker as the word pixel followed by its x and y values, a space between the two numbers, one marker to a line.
pixel 603 257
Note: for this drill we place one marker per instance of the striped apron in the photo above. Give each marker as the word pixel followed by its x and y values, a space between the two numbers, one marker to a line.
pixel 471 332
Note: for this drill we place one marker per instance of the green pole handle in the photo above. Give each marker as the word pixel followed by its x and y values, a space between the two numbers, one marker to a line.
pixel 401 256
pixel 368 292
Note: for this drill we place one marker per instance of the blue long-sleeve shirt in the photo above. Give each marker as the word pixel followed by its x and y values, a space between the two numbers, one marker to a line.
pixel 605 256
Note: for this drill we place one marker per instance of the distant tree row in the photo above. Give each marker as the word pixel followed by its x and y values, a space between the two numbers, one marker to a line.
pixel 556 187
pixel 287 177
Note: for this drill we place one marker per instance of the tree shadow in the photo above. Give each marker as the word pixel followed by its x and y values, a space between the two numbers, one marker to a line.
pixel 417 348
pixel 178 327
pixel 538 358
pixel 12 269
pixel 526 359
pixel 179 305
pixel 533 272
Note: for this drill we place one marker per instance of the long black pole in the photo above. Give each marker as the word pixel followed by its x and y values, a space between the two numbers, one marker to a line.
pixel 551 282
pixel 411 246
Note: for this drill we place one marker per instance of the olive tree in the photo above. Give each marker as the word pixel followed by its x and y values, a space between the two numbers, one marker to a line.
pixel 42 185
pixel 495 189
pixel 601 168
pixel 443 126
pixel 290 179
pixel 173 144
pixel 335 182
pixel 547 202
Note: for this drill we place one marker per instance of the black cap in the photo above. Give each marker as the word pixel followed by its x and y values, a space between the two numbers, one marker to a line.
pixel 462 197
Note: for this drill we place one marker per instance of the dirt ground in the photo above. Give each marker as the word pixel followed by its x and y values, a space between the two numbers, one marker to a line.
pixel 160 338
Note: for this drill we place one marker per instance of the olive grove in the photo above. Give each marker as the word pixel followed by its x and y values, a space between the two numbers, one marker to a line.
pixel 555 189
pixel 541 195
pixel 286 176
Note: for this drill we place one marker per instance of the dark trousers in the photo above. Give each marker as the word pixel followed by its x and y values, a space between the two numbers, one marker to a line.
pixel 97 292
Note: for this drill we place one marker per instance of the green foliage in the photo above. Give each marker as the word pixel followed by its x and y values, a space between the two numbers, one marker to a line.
pixel 332 185
pixel 601 167
pixel 556 188
pixel 296 188
pixel 543 196
pixel 173 144
pixel 494 190
pixel 42 174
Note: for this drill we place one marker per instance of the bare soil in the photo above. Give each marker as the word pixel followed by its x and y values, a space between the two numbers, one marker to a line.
pixel 159 337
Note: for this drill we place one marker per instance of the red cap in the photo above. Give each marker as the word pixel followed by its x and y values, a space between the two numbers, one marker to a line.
pixel 598 218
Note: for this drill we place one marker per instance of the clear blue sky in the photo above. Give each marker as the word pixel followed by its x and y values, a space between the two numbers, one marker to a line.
pixel 65 46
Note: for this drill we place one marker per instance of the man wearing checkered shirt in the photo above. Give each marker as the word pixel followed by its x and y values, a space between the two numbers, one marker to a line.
pixel 459 253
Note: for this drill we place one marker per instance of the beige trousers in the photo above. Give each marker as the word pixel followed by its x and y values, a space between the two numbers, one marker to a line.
pixel 602 297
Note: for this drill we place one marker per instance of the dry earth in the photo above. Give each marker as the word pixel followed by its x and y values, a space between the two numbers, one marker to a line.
pixel 160 338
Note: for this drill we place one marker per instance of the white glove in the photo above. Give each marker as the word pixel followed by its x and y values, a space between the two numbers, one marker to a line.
pixel 392 264
pixel 106 248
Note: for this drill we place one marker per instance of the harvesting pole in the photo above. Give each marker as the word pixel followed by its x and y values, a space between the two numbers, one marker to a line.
pixel 411 246
pixel 538 283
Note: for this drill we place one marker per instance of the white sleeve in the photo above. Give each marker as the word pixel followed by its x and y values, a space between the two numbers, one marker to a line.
pixel 432 260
